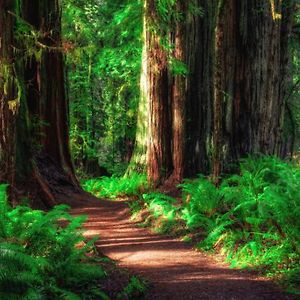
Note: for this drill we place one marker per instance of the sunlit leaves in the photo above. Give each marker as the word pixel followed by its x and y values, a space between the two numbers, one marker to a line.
pixel 104 65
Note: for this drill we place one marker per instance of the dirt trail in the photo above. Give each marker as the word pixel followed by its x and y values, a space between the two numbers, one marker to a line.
pixel 174 270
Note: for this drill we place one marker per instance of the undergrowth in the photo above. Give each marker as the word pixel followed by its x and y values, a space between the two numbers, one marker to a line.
pixel 44 256
pixel 114 187
pixel 40 259
pixel 253 218
pixel 134 290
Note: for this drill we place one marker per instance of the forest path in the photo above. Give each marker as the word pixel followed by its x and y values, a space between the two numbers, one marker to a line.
pixel 173 269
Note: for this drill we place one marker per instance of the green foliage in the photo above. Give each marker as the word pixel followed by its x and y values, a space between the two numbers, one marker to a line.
pixel 252 218
pixel 160 205
pixel 40 257
pixel 177 67
pixel 202 200
pixel 104 45
pixel 113 187
pixel 134 290
pixel 163 211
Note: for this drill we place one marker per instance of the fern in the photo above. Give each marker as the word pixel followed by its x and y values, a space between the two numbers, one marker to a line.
pixel 113 187
pixel 39 259
pixel 253 217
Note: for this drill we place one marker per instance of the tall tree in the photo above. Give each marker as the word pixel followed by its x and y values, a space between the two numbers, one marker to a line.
pixel 161 116
pixel 200 47
pixel 45 81
pixel 178 95
pixel 250 78
pixel 138 162
pixel 41 106
pixel 237 57
pixel 8 93
pixel 159 149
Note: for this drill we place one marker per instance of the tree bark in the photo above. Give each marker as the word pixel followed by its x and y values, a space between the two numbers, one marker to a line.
pixel 34 107
pixel 9 96
pixel 178 100
pixel 231 104
pixel 159 149
pixel 46 80
pixel 200 96
pixel 138 161
pixel 250 86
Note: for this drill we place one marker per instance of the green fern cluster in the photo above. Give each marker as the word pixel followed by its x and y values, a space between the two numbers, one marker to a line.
pixel 201 203
pixel 40 256
pixel 163 212
pixel 161 205
pixel 253 217
pixel 113 187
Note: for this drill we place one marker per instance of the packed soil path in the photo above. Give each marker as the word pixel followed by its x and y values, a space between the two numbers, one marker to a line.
pixel 173 269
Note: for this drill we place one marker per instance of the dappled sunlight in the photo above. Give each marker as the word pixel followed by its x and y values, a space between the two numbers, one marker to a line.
pixel 186 113
pixel 171 266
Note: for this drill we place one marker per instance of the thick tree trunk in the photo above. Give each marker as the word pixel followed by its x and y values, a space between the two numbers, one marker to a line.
pixel 250 85
pixel 178 100
pixel 233 106
pixel 199 102
pixel 159 148
pixel 9 99
pixel 34 131
pixel 47 99
pixel 7 119
pixel 138 161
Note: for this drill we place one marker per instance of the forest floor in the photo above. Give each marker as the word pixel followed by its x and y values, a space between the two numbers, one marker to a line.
pixel 172 268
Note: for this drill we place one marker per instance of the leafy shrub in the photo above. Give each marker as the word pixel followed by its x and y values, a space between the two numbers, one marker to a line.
pixel 39 259
pixel 201 202
pixel 253 217
pixel 134 290
pixel 113 187
pixel 161 205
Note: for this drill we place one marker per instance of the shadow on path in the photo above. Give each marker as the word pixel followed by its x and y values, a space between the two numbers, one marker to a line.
pixel 174 270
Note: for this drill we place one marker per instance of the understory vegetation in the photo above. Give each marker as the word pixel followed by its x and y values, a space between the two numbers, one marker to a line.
pixel 104 48
pixel 127 98
pixel 252 218
pixel 45 256
pixel 113 187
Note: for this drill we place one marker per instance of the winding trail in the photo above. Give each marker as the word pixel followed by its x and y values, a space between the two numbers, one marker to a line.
pixel 174 270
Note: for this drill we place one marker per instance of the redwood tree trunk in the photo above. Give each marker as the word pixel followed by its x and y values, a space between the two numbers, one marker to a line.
pixel 237 57
pixel 159 149
pixel 250 88
pixel 9 101
pixel 199 102
pixel 46 90
pixel 178 100
pixel 34 131
pixel 138 161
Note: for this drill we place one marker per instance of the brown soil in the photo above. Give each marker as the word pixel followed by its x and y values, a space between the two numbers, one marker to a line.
pixel 173 269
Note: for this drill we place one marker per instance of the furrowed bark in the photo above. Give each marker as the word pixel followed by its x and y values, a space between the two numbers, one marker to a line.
pixel 178 100
pixel 34 145
pixel 9 102
pixel 251 82
pixel 159 149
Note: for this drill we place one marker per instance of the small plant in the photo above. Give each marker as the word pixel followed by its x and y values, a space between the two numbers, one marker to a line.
pixel 40 259
pixel 201 202
pixel 114 187
pixel 134 290
pixel 163 210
